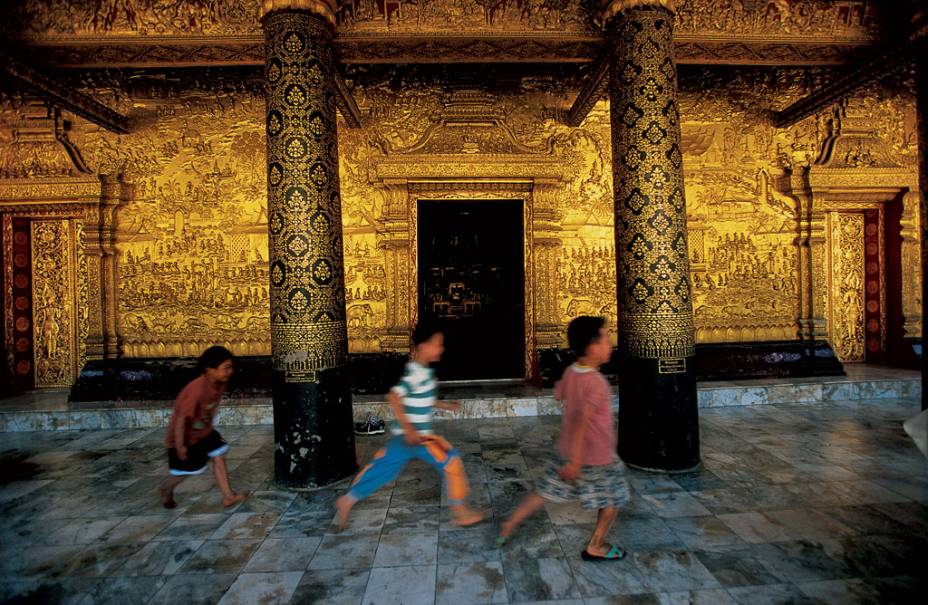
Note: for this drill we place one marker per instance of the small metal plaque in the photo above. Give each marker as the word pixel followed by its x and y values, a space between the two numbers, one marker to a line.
pixel 676 365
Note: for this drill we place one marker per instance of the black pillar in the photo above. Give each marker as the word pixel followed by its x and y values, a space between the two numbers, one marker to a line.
pixel 309 340
pixel 658 423
pixel 922 102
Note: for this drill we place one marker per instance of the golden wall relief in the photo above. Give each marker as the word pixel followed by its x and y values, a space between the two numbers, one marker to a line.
pixel 832 19
pixel 55 319
pixel 192 234
pixel 192 242
pixel 846 313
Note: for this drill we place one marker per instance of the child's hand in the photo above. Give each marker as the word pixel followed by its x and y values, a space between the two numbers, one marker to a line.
pixel 182 452
pixel 412 438
pixel 453 406
pixel 569 472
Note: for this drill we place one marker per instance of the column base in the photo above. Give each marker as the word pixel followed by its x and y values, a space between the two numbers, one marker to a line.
pixel 658 416
pixel 681 471
pixel 313 430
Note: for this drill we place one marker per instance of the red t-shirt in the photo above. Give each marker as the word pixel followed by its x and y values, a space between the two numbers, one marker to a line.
pixel 580 387
pixel 195 407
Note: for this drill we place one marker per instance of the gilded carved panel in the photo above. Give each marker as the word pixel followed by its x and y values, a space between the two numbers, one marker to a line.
pixel 847 285
pixel 55 318
pixel 192 236
pixel 192 241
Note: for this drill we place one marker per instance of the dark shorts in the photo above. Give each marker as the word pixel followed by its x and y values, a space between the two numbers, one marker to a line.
pixel 597 487
pixel 198 455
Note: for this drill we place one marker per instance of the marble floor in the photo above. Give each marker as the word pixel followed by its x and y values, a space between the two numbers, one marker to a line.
pixel 824 503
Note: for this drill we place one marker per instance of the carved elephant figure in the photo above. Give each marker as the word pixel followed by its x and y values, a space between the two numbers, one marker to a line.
pixel 359 316
pixel 582 306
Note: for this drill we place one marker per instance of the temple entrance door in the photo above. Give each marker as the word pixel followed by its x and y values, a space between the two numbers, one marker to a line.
pixel 472 284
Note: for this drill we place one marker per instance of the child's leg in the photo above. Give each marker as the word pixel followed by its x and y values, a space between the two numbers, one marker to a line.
pixel 222 480
pixel 386 466
pixel 440 454
pixel 528 507
pixel 604 521
pixel 166 489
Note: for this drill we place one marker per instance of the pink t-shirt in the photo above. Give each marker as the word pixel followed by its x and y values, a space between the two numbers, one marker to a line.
pixel 580 387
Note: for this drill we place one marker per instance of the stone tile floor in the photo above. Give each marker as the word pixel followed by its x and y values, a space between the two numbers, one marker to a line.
pixel 795 504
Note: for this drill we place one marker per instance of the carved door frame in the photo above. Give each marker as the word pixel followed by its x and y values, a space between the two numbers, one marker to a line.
pixel 836 191
pixel 404 180
pixel 87 206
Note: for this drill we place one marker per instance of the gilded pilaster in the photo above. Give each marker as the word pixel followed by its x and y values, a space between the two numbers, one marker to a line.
pixel 309 339
pixel 546 233
pixel 393 238
pixel 658 417
pixel 814 251
pixel 100 250
pixel 911 288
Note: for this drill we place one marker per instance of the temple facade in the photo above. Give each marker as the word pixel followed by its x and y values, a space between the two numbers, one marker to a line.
pixel 306 180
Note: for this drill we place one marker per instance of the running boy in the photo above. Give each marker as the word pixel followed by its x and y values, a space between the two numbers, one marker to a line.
pixel 587 468
pixel 412 401
pixel 191 439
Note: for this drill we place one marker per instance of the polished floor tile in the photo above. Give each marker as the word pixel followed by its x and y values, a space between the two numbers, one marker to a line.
pixel 803 504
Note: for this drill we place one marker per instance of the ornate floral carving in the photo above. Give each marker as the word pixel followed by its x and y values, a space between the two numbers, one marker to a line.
pixel 53 295
pixel 847 286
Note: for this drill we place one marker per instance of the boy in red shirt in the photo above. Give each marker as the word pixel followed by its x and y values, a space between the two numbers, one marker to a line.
pixel 191 439
pixel 587 467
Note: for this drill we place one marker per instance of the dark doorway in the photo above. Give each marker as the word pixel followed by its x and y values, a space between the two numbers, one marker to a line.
pixel 472 284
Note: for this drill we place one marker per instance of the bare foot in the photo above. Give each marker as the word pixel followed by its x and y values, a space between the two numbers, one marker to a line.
pixel 505 529
pixel 167 498
pixel 467 517
pixel 344 505
pixel 234 499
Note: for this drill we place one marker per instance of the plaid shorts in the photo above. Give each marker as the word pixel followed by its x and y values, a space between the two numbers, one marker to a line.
pixel 597 486
pixel 198 455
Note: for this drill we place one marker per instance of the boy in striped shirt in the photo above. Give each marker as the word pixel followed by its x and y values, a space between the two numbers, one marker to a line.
pixel 412 401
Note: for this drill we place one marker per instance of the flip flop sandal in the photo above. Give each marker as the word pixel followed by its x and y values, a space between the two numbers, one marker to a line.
pixel 501 541
pixel 615 554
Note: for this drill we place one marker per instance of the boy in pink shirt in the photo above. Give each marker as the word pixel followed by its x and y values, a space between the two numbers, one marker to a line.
pixel 587 468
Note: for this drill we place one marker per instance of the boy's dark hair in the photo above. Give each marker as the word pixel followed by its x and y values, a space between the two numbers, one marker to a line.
pixel 213 357
pixel 423 331
pixel 582 331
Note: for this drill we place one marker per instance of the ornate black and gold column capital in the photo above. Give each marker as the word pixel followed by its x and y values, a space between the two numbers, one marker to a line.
pixel 611 8
pixel 324 8
pixel 658 423
pixel 309 338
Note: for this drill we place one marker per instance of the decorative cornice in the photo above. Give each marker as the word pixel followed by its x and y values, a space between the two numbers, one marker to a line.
pixel 71 192
pixel 396 49
pixel 74 101
pixel 324 8
pixel 611 8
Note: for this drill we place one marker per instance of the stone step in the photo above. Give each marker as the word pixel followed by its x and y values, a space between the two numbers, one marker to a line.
pixel 50 411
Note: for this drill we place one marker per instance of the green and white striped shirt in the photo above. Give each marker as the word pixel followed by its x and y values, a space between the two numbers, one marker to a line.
pixel 418 388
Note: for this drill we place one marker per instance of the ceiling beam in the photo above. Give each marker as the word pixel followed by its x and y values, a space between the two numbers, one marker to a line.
pixel 885 63
pixel 594 88
pixel 62 97
pixel 346 103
